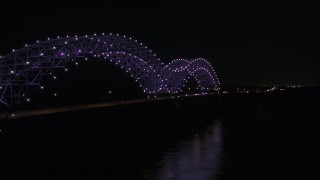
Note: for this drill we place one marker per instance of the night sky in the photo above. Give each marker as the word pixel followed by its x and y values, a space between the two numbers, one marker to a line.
pixel 247 43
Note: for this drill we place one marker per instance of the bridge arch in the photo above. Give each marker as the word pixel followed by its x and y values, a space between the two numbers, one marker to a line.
pixel 177 73
pixel 26 67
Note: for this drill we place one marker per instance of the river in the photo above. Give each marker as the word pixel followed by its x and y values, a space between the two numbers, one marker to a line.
pixel 231 137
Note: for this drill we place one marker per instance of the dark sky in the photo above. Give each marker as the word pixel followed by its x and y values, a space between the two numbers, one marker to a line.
pixel 248 43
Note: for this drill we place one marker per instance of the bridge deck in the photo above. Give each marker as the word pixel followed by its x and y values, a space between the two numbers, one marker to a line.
pixel 53 110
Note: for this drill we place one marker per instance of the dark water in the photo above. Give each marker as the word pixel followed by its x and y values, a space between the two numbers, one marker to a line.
pixel 270 136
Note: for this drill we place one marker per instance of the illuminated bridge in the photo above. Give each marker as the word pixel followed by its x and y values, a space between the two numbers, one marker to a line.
pixel 25 68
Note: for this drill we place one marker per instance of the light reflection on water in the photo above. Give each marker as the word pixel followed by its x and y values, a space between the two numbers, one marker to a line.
pixel 196 159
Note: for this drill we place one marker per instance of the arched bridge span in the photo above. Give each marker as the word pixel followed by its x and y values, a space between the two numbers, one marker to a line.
pixel 25 68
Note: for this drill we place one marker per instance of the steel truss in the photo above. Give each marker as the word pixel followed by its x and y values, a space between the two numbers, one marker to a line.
pixel 25 68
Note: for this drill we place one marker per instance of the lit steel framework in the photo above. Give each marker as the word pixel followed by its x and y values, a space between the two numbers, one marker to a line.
pixel 25 68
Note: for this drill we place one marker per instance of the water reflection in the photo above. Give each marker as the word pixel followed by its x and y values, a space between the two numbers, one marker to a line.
pixel 196 159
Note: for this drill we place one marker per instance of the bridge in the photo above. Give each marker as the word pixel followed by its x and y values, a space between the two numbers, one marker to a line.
pixel 25 68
